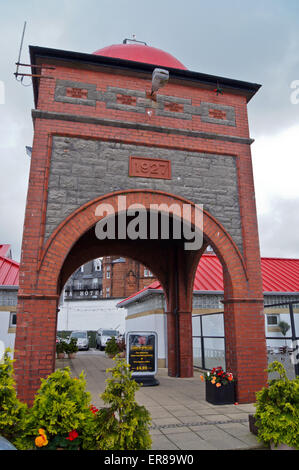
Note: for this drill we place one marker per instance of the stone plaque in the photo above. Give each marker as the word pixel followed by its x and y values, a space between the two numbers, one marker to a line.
pixel 149 167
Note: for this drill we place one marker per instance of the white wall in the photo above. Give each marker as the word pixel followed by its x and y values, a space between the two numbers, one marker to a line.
pixel 5 336
pixel 91 315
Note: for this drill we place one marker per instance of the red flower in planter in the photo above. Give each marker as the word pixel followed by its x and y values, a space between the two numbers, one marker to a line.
pixel 93 409
pixel 72 435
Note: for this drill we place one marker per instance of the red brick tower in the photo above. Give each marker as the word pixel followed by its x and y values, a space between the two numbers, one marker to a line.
pixel 100 136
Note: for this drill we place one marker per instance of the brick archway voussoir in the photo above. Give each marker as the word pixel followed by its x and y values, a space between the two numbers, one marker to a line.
pixel 84 218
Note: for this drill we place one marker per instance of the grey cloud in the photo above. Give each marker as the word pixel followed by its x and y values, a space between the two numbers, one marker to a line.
pixel 256 41
pixel 279 229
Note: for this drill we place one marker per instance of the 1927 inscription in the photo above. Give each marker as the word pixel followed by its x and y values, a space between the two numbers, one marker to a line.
pixel 149 167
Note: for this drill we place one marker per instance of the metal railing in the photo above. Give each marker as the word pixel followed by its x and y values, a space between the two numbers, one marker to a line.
pixel 284 348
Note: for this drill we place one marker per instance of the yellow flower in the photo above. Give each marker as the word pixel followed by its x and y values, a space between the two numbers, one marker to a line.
pixel 41 440
pixel 218 385
pixel 201 378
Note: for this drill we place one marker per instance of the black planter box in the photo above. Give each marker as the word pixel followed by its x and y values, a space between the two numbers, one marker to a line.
pixel 224 395
pixel 252 425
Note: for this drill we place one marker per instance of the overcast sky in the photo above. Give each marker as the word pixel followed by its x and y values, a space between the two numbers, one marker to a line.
pixel 256 41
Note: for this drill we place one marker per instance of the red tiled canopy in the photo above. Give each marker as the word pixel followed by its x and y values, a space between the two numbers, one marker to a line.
pixel 279 275
pixel 9 269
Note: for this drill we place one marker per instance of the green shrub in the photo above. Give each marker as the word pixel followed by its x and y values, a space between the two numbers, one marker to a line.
pixel 111 348
pixel 61 347
pixel 72 347
pixel 62 417
pixel 12 411
pixel 60 413
pixel 124 425
pixel 277 409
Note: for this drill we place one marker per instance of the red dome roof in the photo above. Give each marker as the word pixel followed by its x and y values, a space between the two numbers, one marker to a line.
pixel 141 53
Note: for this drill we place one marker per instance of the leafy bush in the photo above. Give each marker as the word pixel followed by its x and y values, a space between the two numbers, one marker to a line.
pixel 12 411
pixel 60 415
pixel 277 409
pixel 61 347
pixel 111 347
pixel 72 347
pixel 124 425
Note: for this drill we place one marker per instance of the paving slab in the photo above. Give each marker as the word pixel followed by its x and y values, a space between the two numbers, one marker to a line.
pixel 181 418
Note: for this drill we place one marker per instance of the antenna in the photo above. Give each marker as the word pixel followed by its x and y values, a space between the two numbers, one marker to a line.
pixel 18 74
pixel 21 47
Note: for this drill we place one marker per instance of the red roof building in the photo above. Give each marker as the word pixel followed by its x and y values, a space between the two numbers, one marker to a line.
pixel 280 276
pixel 9 269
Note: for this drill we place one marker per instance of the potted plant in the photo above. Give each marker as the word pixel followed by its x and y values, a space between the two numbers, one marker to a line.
pixel 220 386
pixel 61 349
pixel 277 411
pixel 111 347
pixel 72 348
pixel 284 328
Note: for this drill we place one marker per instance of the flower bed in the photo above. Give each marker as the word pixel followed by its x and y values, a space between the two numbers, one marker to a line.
pixel 62 416
pixel 220 386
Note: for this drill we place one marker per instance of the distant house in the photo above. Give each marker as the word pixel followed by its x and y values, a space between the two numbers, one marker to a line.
pixel 9 284
pixel 145 310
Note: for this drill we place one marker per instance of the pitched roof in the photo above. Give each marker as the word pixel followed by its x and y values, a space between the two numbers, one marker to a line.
pixel 9 269
pixel 280 275
pixel 4 250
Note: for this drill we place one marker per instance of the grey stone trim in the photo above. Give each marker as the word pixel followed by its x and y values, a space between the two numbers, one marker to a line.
pixel 163 99
pixel 110 98
pixel 230 114
pixel 62 85
pixel 36 113
pixel 125 91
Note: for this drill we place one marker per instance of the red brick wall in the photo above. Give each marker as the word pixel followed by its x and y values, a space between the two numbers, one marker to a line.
pixel 125 278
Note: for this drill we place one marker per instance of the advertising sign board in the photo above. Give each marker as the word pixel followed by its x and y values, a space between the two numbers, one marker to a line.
pixel 142 356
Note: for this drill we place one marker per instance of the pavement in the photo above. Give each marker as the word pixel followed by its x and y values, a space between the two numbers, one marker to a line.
pixel 181 417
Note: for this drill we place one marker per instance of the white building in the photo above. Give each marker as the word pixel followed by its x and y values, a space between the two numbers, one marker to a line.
pixel 9 283
pixel 145 311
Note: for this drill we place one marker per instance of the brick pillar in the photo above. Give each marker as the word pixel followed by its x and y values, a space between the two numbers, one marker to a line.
pixel 171 344
pixel 186 349
pixel 35 343
pixel 245 346
pixel 179 319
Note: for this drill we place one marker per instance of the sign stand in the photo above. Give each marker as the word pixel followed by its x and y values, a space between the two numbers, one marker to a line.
pixel 142 356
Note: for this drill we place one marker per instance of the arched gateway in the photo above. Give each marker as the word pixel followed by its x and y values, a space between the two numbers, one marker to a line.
pixel 101 139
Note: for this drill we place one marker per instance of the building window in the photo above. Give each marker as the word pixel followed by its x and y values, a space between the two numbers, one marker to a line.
pixel 12 319
pixel 82 269
pixel 97 264
pixel 108 292
pixel 78 284
pixel 95 282
pixel 272 320
pixel 147 273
